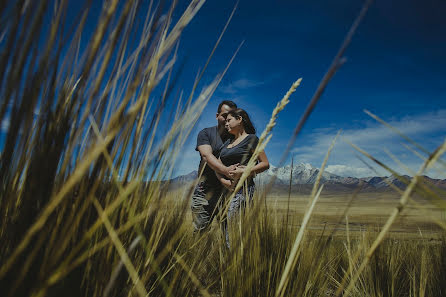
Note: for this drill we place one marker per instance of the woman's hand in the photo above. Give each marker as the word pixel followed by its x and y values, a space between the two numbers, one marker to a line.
pixel 228 170
pixel 237 172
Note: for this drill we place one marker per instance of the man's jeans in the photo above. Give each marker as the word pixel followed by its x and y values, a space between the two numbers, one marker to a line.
pixel 206 203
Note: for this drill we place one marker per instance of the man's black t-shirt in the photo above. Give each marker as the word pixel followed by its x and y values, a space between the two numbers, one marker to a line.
pixel 210 136
pixel 240 153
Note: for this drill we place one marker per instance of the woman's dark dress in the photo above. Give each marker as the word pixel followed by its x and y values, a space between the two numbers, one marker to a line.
pixel 240 153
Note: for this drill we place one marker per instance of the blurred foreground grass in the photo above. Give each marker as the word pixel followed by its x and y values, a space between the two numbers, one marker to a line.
pixel 90 131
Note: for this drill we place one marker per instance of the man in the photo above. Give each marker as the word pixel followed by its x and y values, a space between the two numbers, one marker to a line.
pixel 208 191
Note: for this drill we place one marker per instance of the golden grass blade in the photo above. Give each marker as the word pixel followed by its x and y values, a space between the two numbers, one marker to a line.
pixel 416 204
pixel 348 246
pixel 403 201
pixel 408 139
pixel 118 268
pixel 190 117
pixel 314 195
pixel 106 155
pixel 427 191
pixel 397 190
pixel 99 34
pixel 48 210
pixel 141 290
pixel 289 191
pixel 187 121
pixel 213 51
pixel 67 266
pixel 55 201
pixel 70 148
pixel 324 163
pixel 264 139
pixel 187 16
pixel 153 73
pixel 131 62
pixel 191 275
pixel 292 259
pixel 29 260
pixel 438 170
pixel 109 50
pixel 430 193
pixel 398 162
pixel 337 62
pixel 93 155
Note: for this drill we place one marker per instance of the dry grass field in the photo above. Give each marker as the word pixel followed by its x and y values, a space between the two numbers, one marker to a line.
pixel 408 262
pixel 365 212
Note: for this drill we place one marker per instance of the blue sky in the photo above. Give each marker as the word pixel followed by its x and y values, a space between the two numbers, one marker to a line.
pixel 395 69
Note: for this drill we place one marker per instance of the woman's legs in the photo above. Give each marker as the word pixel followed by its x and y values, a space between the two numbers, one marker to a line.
pixel 237 205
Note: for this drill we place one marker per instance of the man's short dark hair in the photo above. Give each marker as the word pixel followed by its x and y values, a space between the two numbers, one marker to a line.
pixel 229 103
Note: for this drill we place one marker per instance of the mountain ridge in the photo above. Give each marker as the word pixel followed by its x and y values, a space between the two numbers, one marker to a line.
pixel 305 174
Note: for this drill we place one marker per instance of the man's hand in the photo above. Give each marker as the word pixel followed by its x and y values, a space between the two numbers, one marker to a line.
pixel 237 172
pixel 229 170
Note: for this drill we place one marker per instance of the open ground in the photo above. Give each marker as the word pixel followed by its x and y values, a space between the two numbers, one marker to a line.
pixel 364 212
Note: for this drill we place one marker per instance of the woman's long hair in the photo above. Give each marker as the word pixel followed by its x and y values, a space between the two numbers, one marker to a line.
pixel 247 124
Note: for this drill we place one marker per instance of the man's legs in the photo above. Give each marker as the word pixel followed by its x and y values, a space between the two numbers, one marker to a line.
pixel 204 202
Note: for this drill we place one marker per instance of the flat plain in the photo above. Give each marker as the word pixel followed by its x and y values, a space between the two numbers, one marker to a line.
pixel 364 212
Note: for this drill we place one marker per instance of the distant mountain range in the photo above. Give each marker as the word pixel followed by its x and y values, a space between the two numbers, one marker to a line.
pixel 305 175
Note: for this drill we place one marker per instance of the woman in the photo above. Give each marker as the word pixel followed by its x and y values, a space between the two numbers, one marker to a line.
pixel 239 150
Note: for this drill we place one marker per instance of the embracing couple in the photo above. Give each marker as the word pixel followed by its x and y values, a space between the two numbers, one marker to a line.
pixel 225 150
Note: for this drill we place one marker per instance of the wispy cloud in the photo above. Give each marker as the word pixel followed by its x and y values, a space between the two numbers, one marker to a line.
pixel 428 129
pixel 344 170
pixel 239 85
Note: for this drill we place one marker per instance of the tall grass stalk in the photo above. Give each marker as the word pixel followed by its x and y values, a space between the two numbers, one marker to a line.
pixel 264 138
pixel 86 133
pixel 402 135
pixel 122 253
pixel 403 201
pixel 289 191
pixel 337 62
pixel 291 262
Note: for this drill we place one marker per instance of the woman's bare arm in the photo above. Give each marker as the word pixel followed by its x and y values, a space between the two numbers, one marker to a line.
pixel 262 165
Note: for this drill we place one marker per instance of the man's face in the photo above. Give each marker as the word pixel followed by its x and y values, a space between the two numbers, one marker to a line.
pixel 221 116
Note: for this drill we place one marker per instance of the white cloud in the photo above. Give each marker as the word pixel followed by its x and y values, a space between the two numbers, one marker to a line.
pixel 239 85
pixel 346 171
pixel 428 129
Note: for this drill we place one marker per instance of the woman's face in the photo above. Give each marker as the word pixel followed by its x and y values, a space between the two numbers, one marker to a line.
pixel 233 124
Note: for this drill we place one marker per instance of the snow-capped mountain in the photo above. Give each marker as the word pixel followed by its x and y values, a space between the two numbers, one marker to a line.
pixel 302 173
pixel 305 174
